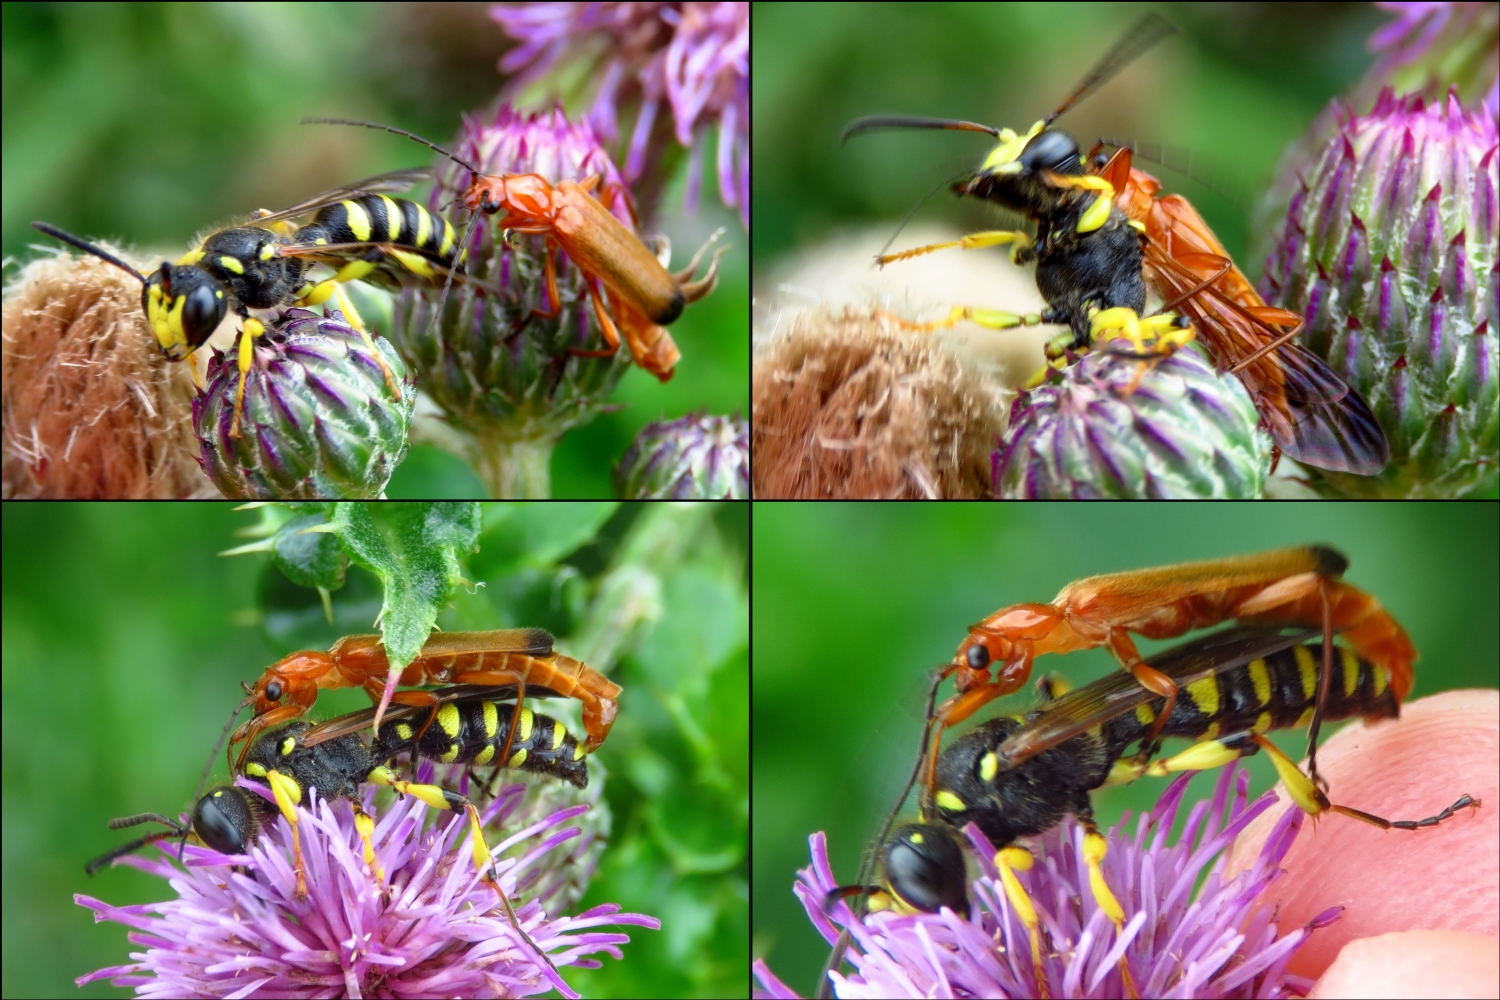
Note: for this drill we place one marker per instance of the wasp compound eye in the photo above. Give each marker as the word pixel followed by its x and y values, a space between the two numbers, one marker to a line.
pixel 202 313
pixel 1053 149
pixel 223 821
pixel 978 656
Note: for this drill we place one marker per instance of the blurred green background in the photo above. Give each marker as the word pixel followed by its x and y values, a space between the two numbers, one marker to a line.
pixel 126 638
pixel 854 603
pixel 1241 81
pixel 148 123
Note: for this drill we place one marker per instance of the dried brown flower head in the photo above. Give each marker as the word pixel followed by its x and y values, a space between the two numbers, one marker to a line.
pixel 848 406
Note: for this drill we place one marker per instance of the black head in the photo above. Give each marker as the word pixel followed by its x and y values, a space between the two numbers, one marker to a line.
pixel 924 868
pixel 184 305
pixel 225 820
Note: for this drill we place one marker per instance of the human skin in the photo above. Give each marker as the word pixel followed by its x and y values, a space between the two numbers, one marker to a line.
pixel 1421 908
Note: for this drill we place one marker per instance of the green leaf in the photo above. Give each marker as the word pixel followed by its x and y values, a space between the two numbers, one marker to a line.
pixel 309 558
pixel 414 549
pixel 537 534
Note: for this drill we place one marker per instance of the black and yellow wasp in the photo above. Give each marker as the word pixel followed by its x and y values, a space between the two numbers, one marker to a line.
pixel 358 231
pixel 1237 684
pixel 461 728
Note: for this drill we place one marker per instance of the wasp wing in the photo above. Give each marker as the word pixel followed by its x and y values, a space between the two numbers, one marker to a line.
pixel 396 180
pixel 1060 720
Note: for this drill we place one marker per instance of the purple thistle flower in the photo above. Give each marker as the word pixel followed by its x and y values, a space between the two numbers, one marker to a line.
pixel 1431 47
pixel 1106 428
pixel 695 57
pixel 1219 943
pixel 437 930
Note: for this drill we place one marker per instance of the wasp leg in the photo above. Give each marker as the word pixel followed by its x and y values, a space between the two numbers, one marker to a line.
pixel 1020 252
pixel 251 329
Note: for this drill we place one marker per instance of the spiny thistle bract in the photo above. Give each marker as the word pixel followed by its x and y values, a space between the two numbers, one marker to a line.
pixel 1389 250
pixel 319 420
pixel 1113 426
pixel 697 457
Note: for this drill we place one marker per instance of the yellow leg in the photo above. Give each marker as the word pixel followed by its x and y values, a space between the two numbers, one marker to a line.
pixel 1009 860
pixel 365 825
pixel 483 863
pixel 252 328
pixel 352 315
pixel 1020 241
pixel 288 793
pixel 992 319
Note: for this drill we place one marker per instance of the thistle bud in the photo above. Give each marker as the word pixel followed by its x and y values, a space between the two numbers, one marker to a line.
pixel 1118 427
pixel 698 457
pixel 318 422
pixel 1389 251
pixel 503 373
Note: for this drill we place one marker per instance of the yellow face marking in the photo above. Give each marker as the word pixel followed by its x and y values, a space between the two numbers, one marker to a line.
pixel 989 764
pixel 1260 679
pixel 948 802
pixel 491 720
pixel 517 759
pixel 558 732
pixel 255 770
pixel 1003 158
pixel 231 264
pixel 1307 669
pixel 392 218
pixel 358 221
pixel 447 719
pixel 484 756
pixel 1351 672
pixel 1205 695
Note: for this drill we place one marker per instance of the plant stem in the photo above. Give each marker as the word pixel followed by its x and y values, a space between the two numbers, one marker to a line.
pixel 515 468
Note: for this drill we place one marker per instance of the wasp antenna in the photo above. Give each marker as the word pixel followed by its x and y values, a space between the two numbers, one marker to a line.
pixel 913 210
pixel 87 247
pixel 1145 33
pixel 203 778
pixel 398 131
pixel 873 122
